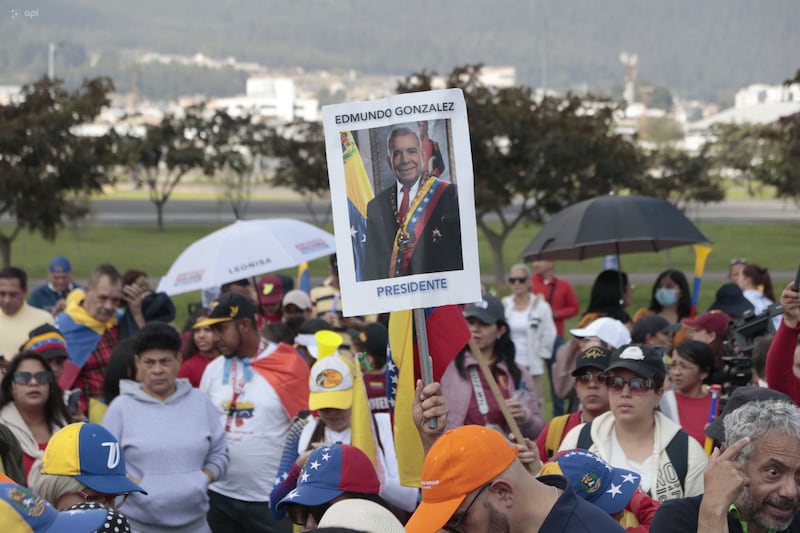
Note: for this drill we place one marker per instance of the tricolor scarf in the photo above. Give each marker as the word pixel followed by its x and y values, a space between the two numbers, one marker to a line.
pixel 410 231
pixel 82 332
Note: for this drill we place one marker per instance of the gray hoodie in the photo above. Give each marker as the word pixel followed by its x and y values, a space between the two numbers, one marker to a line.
pixel 166 445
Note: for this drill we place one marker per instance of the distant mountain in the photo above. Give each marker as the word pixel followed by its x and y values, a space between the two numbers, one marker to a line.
pixel 700 48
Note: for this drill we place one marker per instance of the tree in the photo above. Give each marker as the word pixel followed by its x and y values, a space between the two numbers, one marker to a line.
pixel 681 177
pixel 302 167
pixel 235 147
pixel 166 153
pixel 783 168
pixel 744 152
pixel 44 167
pixel 533 159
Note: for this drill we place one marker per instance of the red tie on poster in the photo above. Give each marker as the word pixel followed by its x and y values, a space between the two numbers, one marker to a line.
pixel 401 212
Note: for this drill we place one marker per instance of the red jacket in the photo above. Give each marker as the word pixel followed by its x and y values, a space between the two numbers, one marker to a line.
pixel 561 297
pixel 780 359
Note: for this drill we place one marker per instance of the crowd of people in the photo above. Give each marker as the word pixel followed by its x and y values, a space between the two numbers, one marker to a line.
pixel 271 410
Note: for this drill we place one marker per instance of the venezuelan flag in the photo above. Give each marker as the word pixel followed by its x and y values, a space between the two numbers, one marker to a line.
pixel 359 193
pixel 362 434
pixel 303 278
pixel 448 333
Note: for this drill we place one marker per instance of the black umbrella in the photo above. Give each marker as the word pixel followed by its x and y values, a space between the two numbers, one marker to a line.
pixel 613 225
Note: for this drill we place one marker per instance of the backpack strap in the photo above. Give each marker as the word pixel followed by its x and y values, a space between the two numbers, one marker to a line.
pixel 678 453
pixel 555 434
pixel 585 440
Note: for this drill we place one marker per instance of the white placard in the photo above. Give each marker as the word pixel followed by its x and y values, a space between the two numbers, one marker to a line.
pixel 429 257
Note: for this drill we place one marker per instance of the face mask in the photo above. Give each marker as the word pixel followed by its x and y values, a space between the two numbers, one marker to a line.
pixel 666 297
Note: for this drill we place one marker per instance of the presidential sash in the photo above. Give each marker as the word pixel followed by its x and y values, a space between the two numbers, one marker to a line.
pixel 410 231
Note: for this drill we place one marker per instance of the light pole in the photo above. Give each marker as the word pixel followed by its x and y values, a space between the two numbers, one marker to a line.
pixel 51 60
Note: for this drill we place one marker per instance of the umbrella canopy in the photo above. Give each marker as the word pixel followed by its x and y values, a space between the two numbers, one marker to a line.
pixel 613 225
pixel 243 250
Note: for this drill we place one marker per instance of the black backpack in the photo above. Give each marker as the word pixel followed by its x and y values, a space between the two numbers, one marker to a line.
pixel 677 450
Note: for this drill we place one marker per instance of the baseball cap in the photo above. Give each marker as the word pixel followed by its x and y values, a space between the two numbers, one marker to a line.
pixel 592 357
pixel 650 325
pixel 594 480
pixel 60 265
pixel 739 397
pixel 270 290
pixel 459 462
pixel 23 511
pixel 609 330
pixel 47 341
pixel 362 515
pixel 330 383
pixel 730 299
pixel 646 361
pixel 713 321
pixel 298 298
pixel 331 471
pixel 92 455
pixel 229 306
pixel 489 310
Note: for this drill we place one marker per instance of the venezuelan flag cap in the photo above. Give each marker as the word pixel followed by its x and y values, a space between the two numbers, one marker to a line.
pixel 90 454
pixel 22 511
pixel 594 480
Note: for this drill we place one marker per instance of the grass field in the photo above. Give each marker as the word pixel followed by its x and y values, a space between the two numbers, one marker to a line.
pixel 771 245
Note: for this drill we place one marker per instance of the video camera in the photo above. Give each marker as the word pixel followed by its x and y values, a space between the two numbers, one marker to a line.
pixel 737 365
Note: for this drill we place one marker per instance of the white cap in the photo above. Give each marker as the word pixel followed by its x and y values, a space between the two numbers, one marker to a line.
pixel 363 515
pixel 611 331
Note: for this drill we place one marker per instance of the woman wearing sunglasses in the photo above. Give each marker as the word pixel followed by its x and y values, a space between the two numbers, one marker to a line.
pixel 530 323
pixel 31 405
pixel 635 436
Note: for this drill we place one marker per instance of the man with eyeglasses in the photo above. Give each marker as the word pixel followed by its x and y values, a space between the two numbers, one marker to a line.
pixel 472 481
pixel 91 330
pixel 17 317
pixel 592 394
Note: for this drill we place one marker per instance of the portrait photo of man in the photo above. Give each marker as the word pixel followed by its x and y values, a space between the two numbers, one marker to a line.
pixel 412 225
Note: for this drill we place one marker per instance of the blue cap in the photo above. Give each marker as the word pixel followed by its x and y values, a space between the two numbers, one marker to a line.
pixel 594 480
pixel 24 511
pixel 92 455
pixel 60 265
pixel 331 471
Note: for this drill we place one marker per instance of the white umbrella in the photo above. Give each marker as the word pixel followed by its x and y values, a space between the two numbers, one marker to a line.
pixel 244 250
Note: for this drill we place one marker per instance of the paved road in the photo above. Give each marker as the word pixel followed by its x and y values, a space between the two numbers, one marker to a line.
pixel 216 212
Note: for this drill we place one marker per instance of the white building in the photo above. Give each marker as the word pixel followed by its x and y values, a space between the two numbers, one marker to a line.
pixel 756 104
pixel 271 98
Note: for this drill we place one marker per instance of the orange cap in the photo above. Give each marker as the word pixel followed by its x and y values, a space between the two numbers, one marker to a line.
pixel 459 462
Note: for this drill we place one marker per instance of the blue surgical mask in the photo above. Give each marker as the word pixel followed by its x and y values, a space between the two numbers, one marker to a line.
pixel 666 297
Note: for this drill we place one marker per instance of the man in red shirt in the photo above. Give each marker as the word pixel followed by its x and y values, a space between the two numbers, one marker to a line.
pixel 561 296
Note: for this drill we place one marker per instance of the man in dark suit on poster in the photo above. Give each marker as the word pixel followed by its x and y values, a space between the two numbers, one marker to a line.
pixel 413 226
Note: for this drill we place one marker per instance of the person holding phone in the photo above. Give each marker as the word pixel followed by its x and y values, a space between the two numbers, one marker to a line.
pixel 780 357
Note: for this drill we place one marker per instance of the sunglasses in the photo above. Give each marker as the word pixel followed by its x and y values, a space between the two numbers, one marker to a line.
pixel 454 527
pixel 589 377
pixel 636 385
pixel 738 261
pixel 42 378
pixel 513 280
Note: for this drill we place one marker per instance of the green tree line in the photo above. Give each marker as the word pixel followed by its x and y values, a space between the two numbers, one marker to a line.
pixel 531 158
